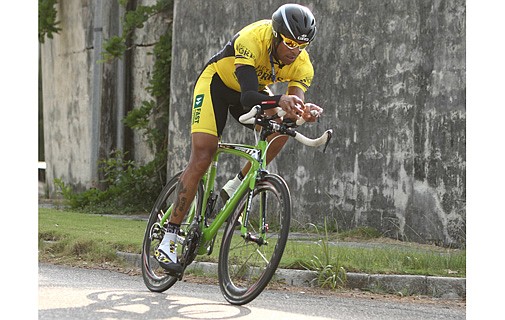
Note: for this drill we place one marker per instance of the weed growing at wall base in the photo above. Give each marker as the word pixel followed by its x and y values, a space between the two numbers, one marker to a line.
pixel 329 275
pixel 131 188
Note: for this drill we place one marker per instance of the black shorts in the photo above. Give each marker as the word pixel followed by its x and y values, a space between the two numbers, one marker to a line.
pixel 212 100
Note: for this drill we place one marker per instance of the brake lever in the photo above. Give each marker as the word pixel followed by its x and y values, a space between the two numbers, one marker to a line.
pixel 289 123
pixel 327 141
pixel 273 117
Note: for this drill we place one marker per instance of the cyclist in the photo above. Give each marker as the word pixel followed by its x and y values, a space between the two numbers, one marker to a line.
pixel 234 80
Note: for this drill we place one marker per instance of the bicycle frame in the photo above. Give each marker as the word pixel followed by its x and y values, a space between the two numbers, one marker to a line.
pixel 256 155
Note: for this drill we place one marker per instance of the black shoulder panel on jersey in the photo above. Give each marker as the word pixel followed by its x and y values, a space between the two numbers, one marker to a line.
pixel 227 51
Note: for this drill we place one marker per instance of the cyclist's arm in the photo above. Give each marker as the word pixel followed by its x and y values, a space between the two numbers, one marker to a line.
pixel 249 84
pixel 297 91
pixel 248 80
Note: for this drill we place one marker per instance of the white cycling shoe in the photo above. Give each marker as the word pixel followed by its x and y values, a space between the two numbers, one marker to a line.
pixel 166 254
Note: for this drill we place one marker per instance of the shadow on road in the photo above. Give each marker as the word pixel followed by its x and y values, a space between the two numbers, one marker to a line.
pixel 145 305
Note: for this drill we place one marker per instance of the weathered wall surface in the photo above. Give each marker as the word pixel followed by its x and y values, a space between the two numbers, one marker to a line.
pixel 67 69
pixel 391 77
pixel 82 105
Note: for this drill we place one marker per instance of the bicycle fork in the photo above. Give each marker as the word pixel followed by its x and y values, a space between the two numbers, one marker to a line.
pixel 259 240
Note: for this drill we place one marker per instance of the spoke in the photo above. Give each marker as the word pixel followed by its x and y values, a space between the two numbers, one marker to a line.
pixel 239 245
pixel 263 256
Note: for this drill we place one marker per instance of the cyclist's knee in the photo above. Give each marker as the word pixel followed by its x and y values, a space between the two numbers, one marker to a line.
pixel 280 141
pixel 199 162
pixel 203 148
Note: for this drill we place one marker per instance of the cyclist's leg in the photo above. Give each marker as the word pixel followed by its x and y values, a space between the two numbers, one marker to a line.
pixel 208 119
pixel 205 129
pixel 231 186
pixel 203 147
pixel 274 148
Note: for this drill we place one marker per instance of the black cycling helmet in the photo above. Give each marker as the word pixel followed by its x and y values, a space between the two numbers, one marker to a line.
pixel 295 22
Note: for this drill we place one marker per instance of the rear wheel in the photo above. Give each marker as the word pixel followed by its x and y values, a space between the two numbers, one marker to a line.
pixel 155 277
pixel 247 263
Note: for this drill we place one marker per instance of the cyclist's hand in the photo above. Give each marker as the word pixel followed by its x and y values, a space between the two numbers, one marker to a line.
pixel 293 106
pixel 311 112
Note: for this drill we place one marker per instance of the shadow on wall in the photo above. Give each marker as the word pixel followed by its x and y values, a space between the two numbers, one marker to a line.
pixel 433 224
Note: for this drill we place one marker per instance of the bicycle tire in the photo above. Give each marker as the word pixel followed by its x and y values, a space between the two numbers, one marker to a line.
pixel 246 267
pixel 154 276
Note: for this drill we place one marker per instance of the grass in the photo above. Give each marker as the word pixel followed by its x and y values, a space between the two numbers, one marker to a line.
pixel 70 236
pixel 383 260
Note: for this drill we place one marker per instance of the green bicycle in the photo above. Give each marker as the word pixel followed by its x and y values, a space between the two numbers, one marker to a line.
pixel 257 218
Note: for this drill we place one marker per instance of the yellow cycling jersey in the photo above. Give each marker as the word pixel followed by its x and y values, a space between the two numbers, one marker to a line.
pixel 252 46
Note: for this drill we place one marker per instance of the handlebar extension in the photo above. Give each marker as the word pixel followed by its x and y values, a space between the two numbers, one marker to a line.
pixel 250 118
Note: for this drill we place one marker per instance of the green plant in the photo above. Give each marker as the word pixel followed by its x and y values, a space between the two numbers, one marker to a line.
pixel 152 116
pixel 116 46
pixel 131 188
pixel 328 274
pixel 47 19
pixel 363 233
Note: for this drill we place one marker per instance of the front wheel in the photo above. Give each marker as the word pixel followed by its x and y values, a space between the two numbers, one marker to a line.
pixel 248 262
pixel 155 277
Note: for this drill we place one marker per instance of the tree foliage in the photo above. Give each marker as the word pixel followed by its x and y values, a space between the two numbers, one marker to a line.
pixel 47 19
pixel 115 47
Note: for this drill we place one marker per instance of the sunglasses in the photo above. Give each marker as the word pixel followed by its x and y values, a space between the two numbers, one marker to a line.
pixel 292 44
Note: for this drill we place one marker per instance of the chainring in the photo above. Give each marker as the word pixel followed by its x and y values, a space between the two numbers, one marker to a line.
pixel 190 244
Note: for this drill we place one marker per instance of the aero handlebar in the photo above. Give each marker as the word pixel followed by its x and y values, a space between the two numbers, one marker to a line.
pixel 323 139
pixel 250 118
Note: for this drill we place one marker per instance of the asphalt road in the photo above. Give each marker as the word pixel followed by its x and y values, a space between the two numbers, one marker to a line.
pixel 73 293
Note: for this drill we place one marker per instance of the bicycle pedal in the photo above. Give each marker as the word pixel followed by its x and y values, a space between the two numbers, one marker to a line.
pixel 177 275
pixel 156 232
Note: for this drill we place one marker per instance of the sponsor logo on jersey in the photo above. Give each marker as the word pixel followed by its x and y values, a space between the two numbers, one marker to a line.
pixel 197 108
pixel 243 52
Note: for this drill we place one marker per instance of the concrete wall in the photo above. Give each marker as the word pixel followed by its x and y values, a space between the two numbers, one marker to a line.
pixel 390 75
pixel 85 99
pixel 67 71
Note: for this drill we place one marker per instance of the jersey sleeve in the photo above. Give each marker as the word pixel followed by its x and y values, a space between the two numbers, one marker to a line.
pixel 247 49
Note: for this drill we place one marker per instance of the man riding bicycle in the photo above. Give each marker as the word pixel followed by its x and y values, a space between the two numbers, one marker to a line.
pixel 234 80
